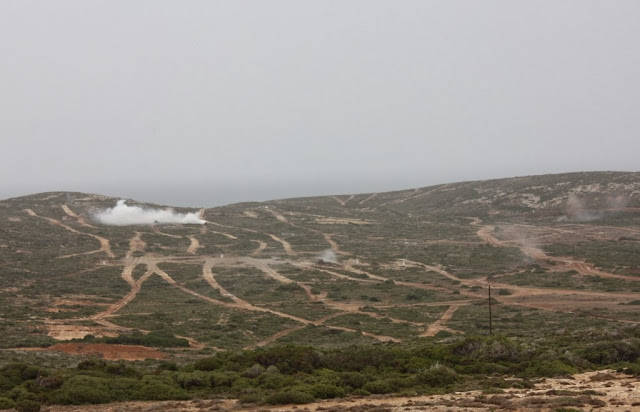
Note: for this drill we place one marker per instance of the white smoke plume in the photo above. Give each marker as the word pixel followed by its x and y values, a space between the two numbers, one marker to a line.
pixel 123 215
pixel 617 202
pixel 577 212
pixel 329 256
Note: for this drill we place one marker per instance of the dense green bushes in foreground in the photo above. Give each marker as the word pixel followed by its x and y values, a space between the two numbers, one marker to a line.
pixel 301 374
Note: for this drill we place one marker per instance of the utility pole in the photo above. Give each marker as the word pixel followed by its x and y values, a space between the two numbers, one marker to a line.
pixel 490 317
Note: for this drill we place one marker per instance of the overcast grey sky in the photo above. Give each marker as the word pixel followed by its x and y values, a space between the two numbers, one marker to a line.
pixel 210 102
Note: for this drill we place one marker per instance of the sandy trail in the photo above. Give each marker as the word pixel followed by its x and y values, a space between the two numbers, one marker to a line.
pixel 341 307
pixel 80 219
pixel 368 198
pixel 193 247
pixel 136 244
pixel 288 331
pixel 266 269
pixel 274 338
pixel 334 246
pixel 381 338
pixel 262 246
pixel 522 290
pixel 371 278
pixel 165 276
pixel 584 268
pixel 414 195
pixel 518 291
pixel 340 275
pixel 340 201
pixel 207 275
pixel 239 304
pixel 104 243
pixel 81 254
pixel 285 245
pixel 156 229
pixel 227 235
pixel 127 275
pixel 438 325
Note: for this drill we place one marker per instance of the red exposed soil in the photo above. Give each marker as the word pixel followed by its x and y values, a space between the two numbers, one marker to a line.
pixel 109 352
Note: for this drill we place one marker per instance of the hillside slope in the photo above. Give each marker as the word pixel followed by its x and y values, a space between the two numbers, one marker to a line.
pixel 561 252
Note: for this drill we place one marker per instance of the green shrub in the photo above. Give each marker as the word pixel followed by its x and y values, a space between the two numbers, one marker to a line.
pixel 120 369
pixel 6 403
pixel 326 391
pixel 550 369
pixel 5 384
pixel 17 392
pixel 253 397
pixel 168 366
pixel 160 388
pixel 208 364
pixel 188 380
pixel 603 353
pixel 361 392
pixel 79 390
pixel 357 358
pixel 27 405
pixel 378 387
pixel 92 364
pixel 254 371
pixel 16 372
pixel 289 359
pixel 273 381
pixel 437 376
pixel 290 396
pixel 223 379
pixel 355 380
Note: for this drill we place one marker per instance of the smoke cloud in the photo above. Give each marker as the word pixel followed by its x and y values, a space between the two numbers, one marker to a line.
pixel 618 202
pixel 329 256
pixel 577 212
pixel 122 215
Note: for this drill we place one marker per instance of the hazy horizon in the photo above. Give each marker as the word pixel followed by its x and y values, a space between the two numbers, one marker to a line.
pixel 208 103
pixel 204 195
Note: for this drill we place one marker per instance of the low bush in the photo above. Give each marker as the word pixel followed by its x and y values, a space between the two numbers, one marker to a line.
pixel 378 387
pixel 437 376
pixel 27 405
pixel 6 403
pixel 290 396
pixel 326 391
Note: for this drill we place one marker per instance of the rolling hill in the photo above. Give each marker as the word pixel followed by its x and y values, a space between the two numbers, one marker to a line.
pixel 560 252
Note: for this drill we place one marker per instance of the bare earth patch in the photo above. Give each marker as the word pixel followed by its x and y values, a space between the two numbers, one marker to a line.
pixel 109 352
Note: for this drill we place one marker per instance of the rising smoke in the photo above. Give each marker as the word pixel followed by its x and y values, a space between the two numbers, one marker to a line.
pixel 123 215
pixel 577 212
pixel 329 256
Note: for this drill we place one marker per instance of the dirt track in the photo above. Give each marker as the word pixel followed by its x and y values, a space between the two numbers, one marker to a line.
pixel 104 243
pixel 533 297
pixel 194 246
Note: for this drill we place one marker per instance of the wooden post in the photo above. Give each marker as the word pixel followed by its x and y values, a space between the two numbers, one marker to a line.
pixel 490 317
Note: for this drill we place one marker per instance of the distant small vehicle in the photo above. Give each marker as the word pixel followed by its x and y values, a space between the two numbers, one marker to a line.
pixel 323 262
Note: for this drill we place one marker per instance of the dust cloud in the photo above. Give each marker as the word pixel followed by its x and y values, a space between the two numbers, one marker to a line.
pixel 329 256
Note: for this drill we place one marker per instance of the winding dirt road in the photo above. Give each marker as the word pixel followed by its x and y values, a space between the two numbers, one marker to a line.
pixel 194 246
pixel 104 243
